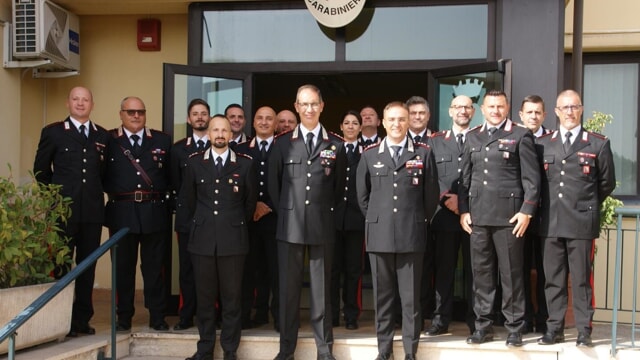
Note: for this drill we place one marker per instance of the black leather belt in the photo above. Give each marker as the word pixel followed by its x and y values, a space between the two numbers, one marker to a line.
pixel 137 196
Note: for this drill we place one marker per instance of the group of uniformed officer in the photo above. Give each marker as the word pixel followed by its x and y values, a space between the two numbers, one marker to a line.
pixel 488 187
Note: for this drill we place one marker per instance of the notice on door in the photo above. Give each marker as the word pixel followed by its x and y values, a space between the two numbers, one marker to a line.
pixel 335 13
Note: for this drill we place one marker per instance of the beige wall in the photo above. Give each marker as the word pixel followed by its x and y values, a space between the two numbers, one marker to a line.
pixel 610 25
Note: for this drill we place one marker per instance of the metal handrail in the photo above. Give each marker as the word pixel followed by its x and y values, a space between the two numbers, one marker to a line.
pixel 624 212
pixel 10 329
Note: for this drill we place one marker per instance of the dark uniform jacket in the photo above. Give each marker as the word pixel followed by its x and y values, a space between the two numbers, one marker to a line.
pixel 500 177
pixel 180 153
pixel 220 205
pixel 123 181
pixel 348 214
pixel 398 201
pixel 448 161
pixel 575 184
pixel 64 157
pixel 252 149
pixel 306 188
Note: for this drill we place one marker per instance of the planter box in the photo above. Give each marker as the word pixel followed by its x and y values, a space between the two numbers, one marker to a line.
pixel 52 322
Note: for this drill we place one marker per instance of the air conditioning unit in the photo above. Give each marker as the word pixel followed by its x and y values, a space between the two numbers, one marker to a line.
pixel 45 31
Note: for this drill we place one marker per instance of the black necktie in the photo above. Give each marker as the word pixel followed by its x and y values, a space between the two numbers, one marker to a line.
pixel 460 142
pixel 263 149
pixel 232 144
pixel 200 145
pixel 136 145
pixel 396 153
pixel 491 131
pixel 368 142
pixel 82 131
pixel 310 142
pixel 219 164
pixel 567 142
pixel 417 138
pixel 350 152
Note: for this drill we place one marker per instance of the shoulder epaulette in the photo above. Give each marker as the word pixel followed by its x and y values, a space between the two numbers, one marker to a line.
pixel 336 135
pixel 603 137
pixel 244 155
pixel 439 133
pixel 475 128
pixel 521 125
pixel 54 124
pixel 282 133
pixel 421 144
pixel 195 153
pixel 545 135
pixel 374 145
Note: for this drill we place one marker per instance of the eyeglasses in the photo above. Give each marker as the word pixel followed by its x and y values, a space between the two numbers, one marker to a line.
pixel 314 106
pixel 132 112
pixel 571 108
pixel 461 107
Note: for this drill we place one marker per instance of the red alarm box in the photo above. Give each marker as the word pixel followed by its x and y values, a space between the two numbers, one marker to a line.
pixel 149 34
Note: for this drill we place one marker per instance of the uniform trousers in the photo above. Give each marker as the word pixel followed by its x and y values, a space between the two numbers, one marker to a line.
pixel 152 250
pixel 347 264
pixel 491 246
pixel 533 260
pixel 574 256
pixel 187 283
pixel 223 274
pixel 291 272
pixel 447 246
pixel 260 278
pixel 84 238
pixel 402 271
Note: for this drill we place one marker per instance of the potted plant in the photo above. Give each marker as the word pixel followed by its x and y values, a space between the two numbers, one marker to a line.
pixel 32 247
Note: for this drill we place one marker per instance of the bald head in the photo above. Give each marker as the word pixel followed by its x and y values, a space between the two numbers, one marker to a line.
pixel 286 121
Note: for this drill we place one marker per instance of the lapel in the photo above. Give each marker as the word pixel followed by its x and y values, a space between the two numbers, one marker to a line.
pixel 451 143
pixel 408 152
pixel 72 131
pixel 504 130
pixel 147 140
pixel 384 154
pixel 580 143
pixel 209 163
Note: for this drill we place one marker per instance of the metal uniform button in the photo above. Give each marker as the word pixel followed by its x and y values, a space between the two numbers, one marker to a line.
pixel 486 171
pixel 487 148
pixel 459 170
pixel 395 197
pixel 345 198
pixel 395 185
pixel 308 174
pixel 216 191
pixel 215 202
pixel 306 202
pixel 486 160
pixel 564 161
pixel 262 163
pixel 347 178
pixel 139 186
pixel 138 173
pixel 562 172
pixel 261 193
pixel 84 150
pixel 262 173
pixel 561 183
pixel 261 183
pixel 308 187
pixel 84 170
pixel 84 180
pixel 215 212
pixel 348 168
pixel 560 195
pixel 217 181
pixel 395 210
pixel 137 160
pixel 395 173
pixel 308 162
pixel 484 182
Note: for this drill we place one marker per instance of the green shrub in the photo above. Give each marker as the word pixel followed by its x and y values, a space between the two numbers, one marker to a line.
pixel 31 244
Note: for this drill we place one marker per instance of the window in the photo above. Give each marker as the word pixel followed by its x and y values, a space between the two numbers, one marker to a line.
pixel 611 86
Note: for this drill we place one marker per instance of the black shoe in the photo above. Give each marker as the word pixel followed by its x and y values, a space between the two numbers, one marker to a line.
pixel 384 357
pixel 351 324
pixel 159 326
pixel 123 327
pixel 327 356
pixel 260 320
pixel 551 337
pixel 436 329
pixel 410 357
pixel 282 356
pixel 541 328
pixel 200 356
pixel 514 339
pixel 78 328
pixel 230 355
pixel 584 339
pixel 183 325
pixel 480 336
